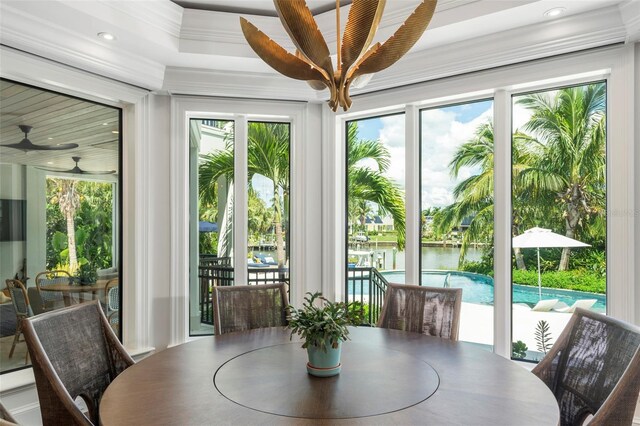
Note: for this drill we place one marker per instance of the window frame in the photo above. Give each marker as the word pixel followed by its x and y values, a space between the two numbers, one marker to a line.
pixel 612 64
pixel 241 112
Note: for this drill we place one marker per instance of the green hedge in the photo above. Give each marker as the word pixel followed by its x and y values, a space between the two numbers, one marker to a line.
pixel 580 280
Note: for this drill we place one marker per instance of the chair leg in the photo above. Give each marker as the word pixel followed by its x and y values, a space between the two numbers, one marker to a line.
pixel 16 340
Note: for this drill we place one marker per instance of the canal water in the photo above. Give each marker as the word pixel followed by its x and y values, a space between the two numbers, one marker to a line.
pixel 432 257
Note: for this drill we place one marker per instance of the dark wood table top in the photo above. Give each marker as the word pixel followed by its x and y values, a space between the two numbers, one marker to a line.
pixel 388 377
pixel 76 288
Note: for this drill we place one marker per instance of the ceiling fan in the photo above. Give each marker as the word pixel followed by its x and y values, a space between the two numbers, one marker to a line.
pixel 77 170
pixel 26 145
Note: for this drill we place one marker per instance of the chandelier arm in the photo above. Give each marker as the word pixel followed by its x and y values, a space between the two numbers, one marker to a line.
pixel 399 43
pixel 277 57
pixel 301 26
pixel 362 24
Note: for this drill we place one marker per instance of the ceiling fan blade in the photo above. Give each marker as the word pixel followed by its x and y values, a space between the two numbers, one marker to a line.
pixel 76 170
pixel 26 145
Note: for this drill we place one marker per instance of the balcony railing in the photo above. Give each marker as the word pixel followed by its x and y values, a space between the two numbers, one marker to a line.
pixel 217 271
pixel 368 286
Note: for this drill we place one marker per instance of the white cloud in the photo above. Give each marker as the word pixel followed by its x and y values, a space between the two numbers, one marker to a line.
pixel 442 135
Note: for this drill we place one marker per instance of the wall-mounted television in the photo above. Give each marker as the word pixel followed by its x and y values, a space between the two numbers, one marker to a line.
pixel 13 220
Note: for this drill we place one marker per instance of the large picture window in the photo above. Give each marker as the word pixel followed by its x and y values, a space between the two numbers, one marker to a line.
pixel 375 216
pixel 559 212
pixel 60 209
pixel 214 168
pixel 456 247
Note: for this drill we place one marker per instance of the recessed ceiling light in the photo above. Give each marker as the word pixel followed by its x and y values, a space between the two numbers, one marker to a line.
pixel 115 132
pixel 104 124
pixel 50 139
pixel 49 162
pixel 107 36
pixel 556 11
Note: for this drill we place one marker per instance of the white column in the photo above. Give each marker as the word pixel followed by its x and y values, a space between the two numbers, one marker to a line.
pixel 502 224
pixel 412 200
pixel 240 201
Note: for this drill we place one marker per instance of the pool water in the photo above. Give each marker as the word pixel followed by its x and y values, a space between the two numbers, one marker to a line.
pixel 478 288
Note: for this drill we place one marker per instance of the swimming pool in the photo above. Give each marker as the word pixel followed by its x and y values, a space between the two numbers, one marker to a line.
pixel 478 288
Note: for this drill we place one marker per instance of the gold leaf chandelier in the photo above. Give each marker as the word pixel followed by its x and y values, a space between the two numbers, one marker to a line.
pixel 356 60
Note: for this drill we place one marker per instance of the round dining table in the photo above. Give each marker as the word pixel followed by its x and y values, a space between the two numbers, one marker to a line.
pixel 388 377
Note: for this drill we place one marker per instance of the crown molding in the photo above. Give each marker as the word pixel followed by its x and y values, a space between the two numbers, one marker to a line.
pixel 630 12
pixel 59 44
pixel 570 34
pixel 232 84
pixel 573 33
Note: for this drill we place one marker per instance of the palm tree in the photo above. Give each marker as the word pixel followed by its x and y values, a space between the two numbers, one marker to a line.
pixel 474 195
pixel 268 155
pixel 569 134
pixel 365 184
pixel 69 201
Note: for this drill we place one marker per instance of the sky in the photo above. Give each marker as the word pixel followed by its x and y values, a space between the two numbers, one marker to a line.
pixel 443 131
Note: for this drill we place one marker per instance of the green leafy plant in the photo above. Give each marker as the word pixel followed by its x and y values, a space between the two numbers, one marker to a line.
pixel 519 350
pixel 543 336
pixel 321 321
pixel 87 274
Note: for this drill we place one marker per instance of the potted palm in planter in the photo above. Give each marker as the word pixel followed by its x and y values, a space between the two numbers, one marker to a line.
pixel 323 326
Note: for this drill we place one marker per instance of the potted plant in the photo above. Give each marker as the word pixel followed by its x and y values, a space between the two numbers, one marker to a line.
pixel 324 326
pixel 86 274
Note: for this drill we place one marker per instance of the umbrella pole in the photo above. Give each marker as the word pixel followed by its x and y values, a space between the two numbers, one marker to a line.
pixel 539 278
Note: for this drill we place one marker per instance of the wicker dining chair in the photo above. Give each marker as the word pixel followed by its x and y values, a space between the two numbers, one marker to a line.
pixel 245 307
pixel 6 419
pixel 74 354
pixel 112 303
pixel 426 310
pixel 52 299
pixel 594 369
pixel 20 301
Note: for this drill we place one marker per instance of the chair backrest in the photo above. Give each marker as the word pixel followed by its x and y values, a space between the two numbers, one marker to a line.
pixel 48 278
pixel 594 369
pixel 35 301
pixel 426 310
pixel 112 294
pixel 74 354
pixel 245 307
pixel 19 298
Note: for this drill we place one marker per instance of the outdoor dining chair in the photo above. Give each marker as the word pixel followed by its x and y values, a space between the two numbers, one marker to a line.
pixel 594 369
pixel 52 299
pixel 74 353
pixel 426 310
pixel 245 307
pixel 111 303
pixel 20 301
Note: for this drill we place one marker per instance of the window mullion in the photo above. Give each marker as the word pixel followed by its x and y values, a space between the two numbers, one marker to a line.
pixel 502 223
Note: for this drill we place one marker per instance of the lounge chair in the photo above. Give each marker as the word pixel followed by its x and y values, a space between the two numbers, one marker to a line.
pixel 545 305
pixel 582 303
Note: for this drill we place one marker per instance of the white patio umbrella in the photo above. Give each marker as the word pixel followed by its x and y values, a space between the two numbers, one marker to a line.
pixel 540 237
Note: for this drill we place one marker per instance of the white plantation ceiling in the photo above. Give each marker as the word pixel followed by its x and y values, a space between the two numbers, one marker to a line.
pixel 57 119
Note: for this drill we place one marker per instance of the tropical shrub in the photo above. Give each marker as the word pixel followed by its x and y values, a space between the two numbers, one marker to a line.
pixel 580 280
pixel 519 350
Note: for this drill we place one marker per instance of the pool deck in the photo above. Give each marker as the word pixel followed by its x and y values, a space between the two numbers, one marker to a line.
pixel 476 324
